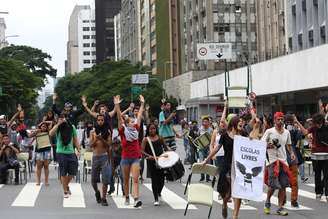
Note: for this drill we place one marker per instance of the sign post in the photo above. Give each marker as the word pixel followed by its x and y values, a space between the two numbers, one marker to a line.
pixel 213 51
pixel 140 79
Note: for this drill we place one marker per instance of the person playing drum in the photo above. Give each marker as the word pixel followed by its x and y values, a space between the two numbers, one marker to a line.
pixel 156 173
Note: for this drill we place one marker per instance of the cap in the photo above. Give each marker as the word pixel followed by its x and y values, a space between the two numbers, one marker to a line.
pixel 279 115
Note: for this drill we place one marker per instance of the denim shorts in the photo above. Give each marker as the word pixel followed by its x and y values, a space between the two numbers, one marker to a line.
pixel 68 164
pixel 129 161
pixel 42 156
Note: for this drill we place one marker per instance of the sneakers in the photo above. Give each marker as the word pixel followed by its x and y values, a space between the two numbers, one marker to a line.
pixel 66 195
pixel 318 197
pixel 104 202
pixel 156 203
pixel 282 212
pixel 295 204
pixel 304 180
pixel 267 208
pixel 137 203
pixel 98 197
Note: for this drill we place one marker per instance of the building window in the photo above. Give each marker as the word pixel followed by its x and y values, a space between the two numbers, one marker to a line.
pixel 93 28
pixel 109 20
pixel 86 61
pixel 93 61
pixel 86 37
pixel 86 44
pixel 93 45
pixel 86 53
pixel 86 28
pixel 93 37
pixel 86 21
pixel 93 53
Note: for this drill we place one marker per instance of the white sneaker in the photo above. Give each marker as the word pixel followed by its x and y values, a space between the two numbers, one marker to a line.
pixel 318 197
pixel 156 203
pixel 66 195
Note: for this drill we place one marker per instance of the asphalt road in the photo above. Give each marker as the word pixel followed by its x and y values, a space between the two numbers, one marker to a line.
pixel 30 201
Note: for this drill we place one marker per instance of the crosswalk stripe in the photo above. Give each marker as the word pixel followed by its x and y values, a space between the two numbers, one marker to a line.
pixel 27 196
pixel 230 205
pixel 120 199
pixel 76 200
pixel 313 196
pixel 274 200
pixel 310 184
pixel 303 193
pixel 1 186
pixel 172 199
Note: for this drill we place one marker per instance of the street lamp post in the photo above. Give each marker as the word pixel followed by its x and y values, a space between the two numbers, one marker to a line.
pixel 5 41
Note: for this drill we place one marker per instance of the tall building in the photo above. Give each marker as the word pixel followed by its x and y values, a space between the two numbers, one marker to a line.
pixel 271 32
pixel 160 36
pixel 81 45
pixel 2 33
pixel 105 12
pixel 222 21
pixel 306 24
pixel 130 34
pixel 117 37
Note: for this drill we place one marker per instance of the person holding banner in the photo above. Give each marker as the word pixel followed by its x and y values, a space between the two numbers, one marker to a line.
pixel 42 152
pixel 277 174
pixel 235 127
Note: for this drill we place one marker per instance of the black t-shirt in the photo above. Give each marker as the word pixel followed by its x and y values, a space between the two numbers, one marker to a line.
pixel 158 148
pixel 3 129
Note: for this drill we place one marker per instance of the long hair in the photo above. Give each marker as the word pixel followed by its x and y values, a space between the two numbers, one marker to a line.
pixel 66 132
pixel 148 128
pixel 233 124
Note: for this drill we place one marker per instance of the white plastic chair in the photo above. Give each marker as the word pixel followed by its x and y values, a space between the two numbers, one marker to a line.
pixel 87 157
pixel 200 193
pixel 23 158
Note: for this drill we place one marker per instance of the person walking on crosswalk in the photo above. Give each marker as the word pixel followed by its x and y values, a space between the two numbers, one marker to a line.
pixel 68 149
pixel 131 151
pixel 277 170
pixel 153 146
pixel 100 141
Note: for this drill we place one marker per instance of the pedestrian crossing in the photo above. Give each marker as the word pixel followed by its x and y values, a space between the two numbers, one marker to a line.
pixel 28 196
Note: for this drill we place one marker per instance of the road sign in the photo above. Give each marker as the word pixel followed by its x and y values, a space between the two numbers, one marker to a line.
pixel 214 51
pixel 140 79
pixel 136 90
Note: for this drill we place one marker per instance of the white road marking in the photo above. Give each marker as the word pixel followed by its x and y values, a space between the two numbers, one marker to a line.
pixel 274 200
pixel 172 199
pixel 76 200
pixel 27 196
pixel 120 199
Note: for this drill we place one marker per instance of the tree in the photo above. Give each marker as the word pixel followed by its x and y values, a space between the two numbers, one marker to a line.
pixel 105 80
pixel 18 86
pixel 34 59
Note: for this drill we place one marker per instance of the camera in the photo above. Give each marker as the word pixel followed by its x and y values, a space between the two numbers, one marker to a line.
pixel 275 142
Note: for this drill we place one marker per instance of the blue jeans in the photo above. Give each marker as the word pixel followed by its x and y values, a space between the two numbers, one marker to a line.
pixel 301 171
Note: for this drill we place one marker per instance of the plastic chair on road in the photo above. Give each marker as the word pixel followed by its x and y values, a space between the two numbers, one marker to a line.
pixel 200 193
pixel 23 158
pixel 87 156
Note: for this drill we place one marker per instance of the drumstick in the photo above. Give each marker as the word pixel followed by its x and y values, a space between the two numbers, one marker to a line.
pixel 324 143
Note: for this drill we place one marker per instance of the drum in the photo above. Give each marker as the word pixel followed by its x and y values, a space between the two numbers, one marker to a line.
pixel 319 156
pixel 172 166
pixel 168 159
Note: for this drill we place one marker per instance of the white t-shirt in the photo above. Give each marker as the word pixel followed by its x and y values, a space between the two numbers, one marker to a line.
pixel 284 140
pixel 221 151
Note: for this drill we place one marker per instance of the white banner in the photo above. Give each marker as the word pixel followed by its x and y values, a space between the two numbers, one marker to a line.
pixel 248 165
pixel 214 51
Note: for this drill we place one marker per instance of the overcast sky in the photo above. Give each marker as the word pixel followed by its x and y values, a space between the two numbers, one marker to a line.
pixel 42 24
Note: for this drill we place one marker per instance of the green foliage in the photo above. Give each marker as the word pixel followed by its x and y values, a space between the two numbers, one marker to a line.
pixel 34 59
pixel 104 81
pixel 18 86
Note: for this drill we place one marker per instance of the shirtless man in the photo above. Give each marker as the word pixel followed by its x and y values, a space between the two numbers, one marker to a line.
pixel 100 141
